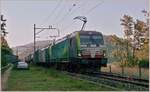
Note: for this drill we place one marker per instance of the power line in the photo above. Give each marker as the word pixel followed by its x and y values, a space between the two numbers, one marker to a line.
pixel 53 11
pixel 62 18
pixel 83 4
pixel 70 10
pixel 51 14
pixel 58 14
pixel 90 10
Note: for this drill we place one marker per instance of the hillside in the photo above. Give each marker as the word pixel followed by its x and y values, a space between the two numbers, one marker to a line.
pixel 27 49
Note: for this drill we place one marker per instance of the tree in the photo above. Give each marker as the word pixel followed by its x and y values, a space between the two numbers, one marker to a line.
pixel 4 42
pixel 142 39
pixel 119 52
pixel 5 51
pixel 127 22
pixel 137 38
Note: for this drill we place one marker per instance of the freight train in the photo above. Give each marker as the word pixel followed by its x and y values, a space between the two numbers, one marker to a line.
pixel 81 51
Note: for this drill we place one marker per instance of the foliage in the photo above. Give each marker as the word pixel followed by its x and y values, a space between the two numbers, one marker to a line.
pixel 127 22
pixel 142 38
pixel 4 42
pixel 143 53
pixel 132 61
pixel 119 52
pixel 144 63
pixel 134 47
pixel 6 53
pixel 135 42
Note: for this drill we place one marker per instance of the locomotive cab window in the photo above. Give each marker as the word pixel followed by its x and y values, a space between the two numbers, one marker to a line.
pixel 91 39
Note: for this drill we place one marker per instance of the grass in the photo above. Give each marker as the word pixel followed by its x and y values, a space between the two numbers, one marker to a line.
pixel 42 79
pixel 128 71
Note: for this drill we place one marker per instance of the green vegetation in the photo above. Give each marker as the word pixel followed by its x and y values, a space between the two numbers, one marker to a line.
pixel 132 50
pixel 45 79
pixel 4 51
pixel 144 63
pixel 7 55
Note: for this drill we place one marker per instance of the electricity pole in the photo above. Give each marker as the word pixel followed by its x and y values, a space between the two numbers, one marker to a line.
pixel 146 14
pixel 35 33
pixel 17 55
pixel 34 40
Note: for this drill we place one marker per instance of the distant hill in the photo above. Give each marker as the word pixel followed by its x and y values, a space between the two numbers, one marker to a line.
pixel 27 49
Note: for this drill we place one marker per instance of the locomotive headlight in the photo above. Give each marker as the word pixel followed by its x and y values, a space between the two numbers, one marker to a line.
pixel 104 53
pixel 79 54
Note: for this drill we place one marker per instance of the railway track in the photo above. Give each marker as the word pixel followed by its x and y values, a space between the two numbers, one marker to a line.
pixel 115 81
pixel 135 81
pixel 124 77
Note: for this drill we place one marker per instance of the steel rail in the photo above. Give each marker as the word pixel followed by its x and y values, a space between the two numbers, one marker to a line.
pixel 114 82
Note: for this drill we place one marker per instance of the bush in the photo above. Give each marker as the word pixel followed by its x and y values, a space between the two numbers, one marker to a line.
pixel 7 56
pixel 3 63
pixel 132 61
pixel 144 63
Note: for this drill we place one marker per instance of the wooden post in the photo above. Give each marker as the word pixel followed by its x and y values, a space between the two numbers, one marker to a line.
pixel 122 70
pixel 110 68
pixel 140 72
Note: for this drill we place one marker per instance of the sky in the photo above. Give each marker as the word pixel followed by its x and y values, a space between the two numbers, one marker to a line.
pixel 102 15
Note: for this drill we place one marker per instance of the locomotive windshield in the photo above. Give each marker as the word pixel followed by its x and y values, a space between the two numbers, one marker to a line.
pixel 91 39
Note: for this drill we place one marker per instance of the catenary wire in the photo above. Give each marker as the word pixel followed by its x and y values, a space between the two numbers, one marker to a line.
pixel 51 13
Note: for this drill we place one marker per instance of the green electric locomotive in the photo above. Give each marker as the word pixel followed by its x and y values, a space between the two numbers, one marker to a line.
pixel 81 51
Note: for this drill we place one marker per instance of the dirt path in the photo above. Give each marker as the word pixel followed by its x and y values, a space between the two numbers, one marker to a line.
pixel 4 78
